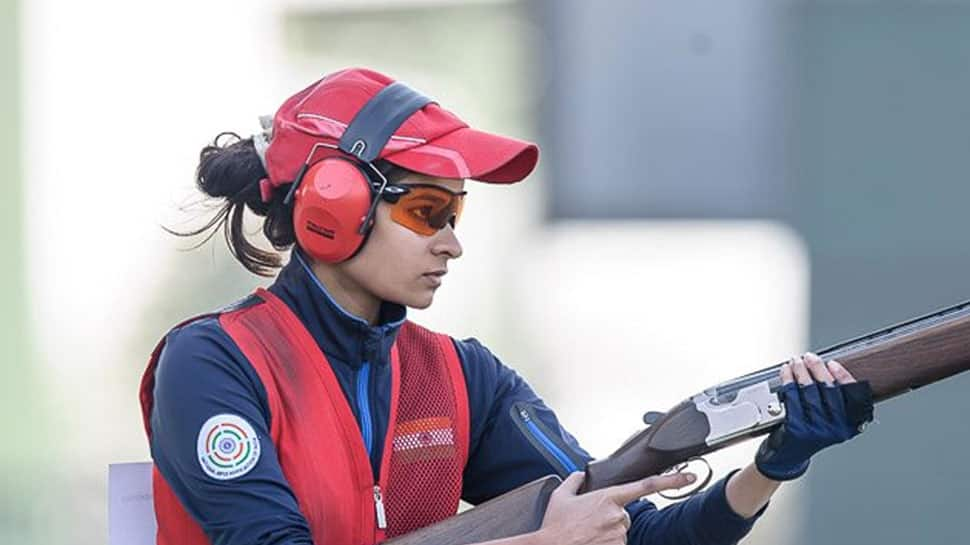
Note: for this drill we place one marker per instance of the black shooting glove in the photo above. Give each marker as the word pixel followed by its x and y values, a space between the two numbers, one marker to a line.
pixel 818 416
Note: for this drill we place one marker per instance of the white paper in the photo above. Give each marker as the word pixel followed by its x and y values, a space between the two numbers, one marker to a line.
pixel 131 513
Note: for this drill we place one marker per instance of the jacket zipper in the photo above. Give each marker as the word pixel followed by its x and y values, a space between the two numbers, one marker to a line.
pixel 367 430
pixel 541 440
pixel 379 507
pixel 363 407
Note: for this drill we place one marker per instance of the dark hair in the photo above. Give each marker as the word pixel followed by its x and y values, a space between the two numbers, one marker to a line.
pixel 229 168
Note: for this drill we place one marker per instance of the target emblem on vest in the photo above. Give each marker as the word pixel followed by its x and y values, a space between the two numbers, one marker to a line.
pixel 228 447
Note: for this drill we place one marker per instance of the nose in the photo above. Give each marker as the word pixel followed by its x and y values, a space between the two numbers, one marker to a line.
pixel 446 243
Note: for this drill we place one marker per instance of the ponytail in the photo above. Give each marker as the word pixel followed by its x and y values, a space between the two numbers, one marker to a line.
pixel 230 169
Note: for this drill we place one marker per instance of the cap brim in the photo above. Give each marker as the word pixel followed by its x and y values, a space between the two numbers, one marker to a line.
pixel 470 153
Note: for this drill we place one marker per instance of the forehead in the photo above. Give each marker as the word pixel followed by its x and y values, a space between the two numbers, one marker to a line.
pixel 447 183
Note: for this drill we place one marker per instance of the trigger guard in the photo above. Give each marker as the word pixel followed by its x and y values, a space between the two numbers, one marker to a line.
pixel 701 482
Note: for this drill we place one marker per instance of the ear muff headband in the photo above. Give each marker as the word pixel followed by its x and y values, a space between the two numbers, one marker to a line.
pixel 376 122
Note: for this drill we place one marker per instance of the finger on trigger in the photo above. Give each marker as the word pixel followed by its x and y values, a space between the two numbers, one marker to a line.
pixel 674 481
pixel 651 485
pixel 842 375
pixel 625 493
pixel 818 369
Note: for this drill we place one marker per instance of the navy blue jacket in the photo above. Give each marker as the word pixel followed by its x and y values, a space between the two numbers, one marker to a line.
pixel 514 437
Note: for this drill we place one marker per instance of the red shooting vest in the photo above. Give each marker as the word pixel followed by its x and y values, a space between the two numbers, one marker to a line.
pixel 318 441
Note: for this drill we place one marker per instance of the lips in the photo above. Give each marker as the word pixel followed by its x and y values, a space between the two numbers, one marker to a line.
pixel 434 277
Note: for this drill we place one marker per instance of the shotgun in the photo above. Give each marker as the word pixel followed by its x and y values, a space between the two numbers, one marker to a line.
pixel 894 360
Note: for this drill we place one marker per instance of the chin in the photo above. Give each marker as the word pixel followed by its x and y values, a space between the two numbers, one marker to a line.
pixel 422 304
pixel 419 302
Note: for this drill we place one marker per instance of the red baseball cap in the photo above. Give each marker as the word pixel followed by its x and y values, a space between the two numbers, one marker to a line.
pixel 432 141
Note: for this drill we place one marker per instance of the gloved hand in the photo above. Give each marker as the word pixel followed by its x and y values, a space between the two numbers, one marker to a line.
pixel 825 406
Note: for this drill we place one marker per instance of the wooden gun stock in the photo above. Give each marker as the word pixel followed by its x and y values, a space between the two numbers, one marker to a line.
pixel 894 360
pixel 513 513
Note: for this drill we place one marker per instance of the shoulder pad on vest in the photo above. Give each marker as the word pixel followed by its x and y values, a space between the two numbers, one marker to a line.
pixel 246 302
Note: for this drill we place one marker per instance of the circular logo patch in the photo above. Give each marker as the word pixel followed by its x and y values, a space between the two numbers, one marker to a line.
pixel 228 447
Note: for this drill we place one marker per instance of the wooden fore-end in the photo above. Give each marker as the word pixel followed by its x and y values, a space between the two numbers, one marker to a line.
pixel 905 357
pixel 678 436
pixel 514 513
pixel 894 360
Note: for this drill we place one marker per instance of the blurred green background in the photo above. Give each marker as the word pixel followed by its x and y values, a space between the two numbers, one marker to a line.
pixel 24 453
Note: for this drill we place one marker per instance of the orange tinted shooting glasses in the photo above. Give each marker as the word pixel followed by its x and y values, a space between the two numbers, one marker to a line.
pixel 424 208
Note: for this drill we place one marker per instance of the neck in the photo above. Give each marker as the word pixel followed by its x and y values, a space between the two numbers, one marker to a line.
pixel 350 295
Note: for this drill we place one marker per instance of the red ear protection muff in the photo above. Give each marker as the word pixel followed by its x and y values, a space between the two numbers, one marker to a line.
pixel 335 205
pixel 330 206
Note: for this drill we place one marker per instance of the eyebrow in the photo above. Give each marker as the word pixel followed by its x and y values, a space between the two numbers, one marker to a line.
pixel 429 181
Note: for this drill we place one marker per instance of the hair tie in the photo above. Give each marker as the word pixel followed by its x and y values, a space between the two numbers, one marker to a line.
pixel 261 143
pixel 262 138
pixel 265 189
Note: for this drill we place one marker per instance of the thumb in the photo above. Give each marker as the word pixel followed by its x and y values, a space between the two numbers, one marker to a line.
pixel 572 483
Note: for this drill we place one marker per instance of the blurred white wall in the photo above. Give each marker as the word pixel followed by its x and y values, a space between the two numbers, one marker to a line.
pixel 621 318
pixel 119 98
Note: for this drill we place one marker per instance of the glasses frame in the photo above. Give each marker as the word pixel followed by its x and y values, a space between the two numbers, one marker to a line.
pixel 392 194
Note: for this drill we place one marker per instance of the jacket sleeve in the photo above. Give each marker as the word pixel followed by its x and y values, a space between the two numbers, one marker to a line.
pixel 516 438
pixel 202 374
pixel 703 519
